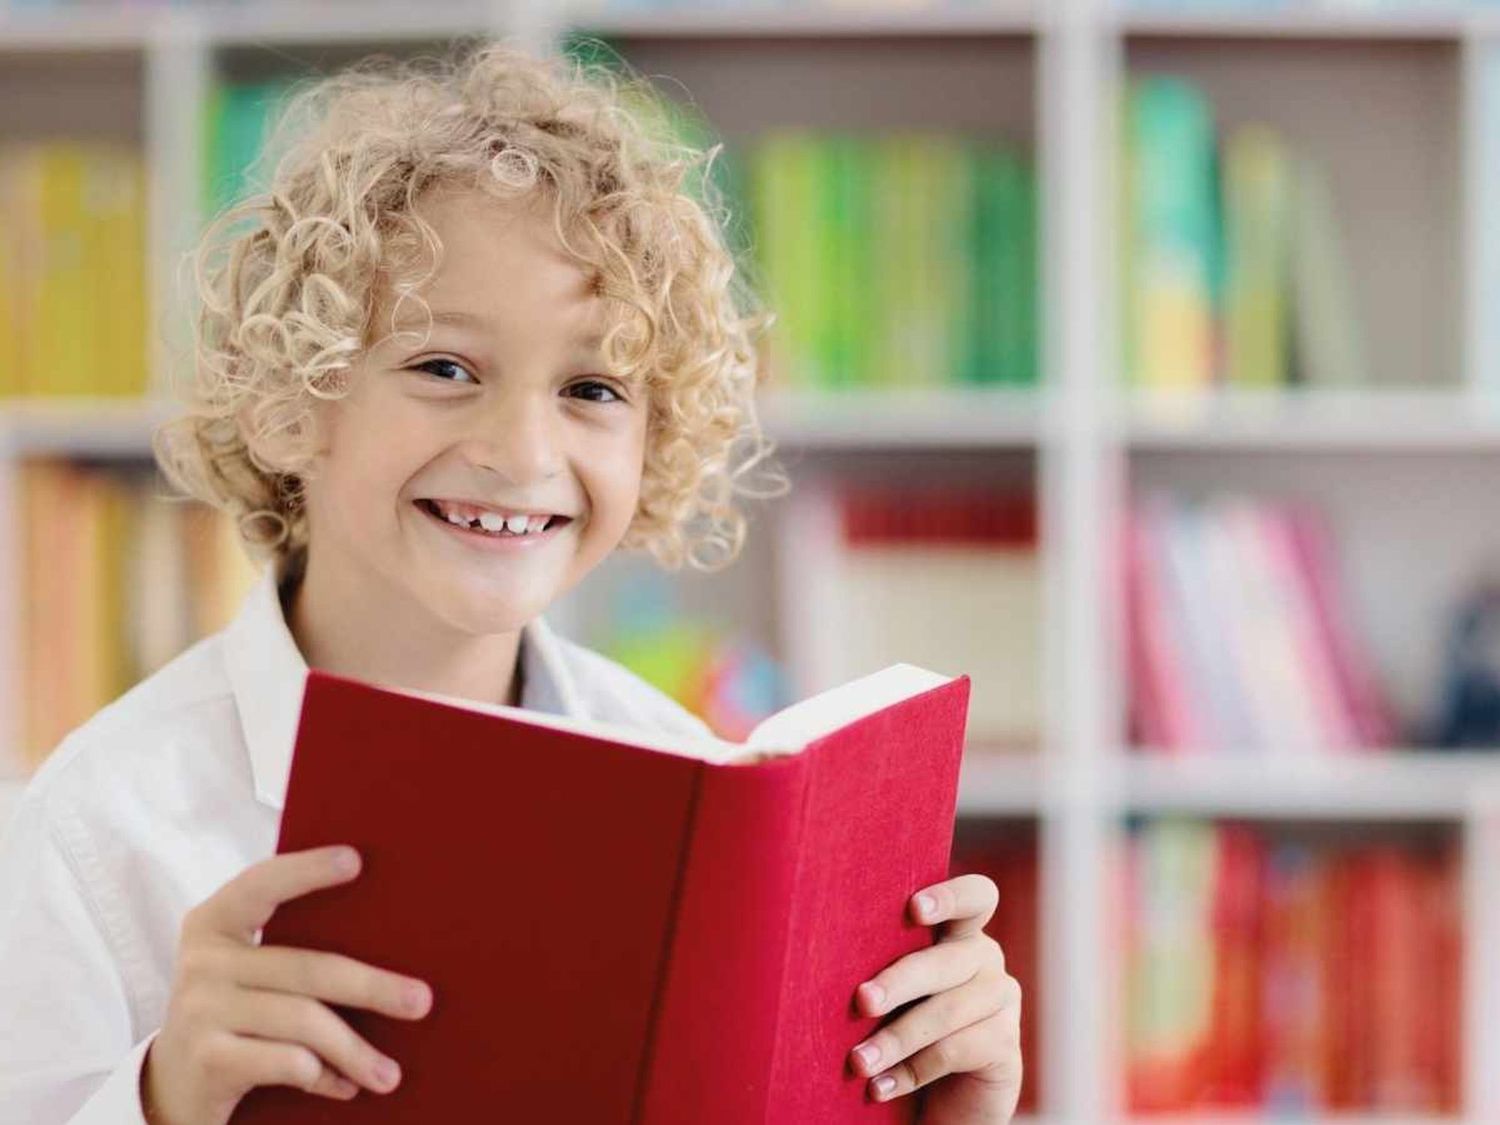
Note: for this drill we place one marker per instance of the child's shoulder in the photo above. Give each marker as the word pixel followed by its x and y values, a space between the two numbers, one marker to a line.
pixel 610 691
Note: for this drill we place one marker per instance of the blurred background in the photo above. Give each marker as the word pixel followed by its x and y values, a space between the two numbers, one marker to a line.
pixel 1140 360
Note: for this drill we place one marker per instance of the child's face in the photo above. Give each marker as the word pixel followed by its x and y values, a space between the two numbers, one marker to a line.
pixel 509 407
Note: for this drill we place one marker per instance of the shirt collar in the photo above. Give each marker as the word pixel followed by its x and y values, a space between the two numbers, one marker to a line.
pixel 267 674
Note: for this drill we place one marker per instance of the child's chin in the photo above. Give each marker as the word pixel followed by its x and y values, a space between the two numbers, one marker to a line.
pixel 485 611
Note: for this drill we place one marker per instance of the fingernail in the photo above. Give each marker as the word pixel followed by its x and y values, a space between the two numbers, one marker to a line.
pixel 926 905
pixel 868 1053
pixel 874 996
pixel 387 1073
pixel 418 997
pixel 884 1085
pixel 347 860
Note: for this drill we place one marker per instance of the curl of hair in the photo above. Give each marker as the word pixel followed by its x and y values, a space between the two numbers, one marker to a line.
pixel 288 279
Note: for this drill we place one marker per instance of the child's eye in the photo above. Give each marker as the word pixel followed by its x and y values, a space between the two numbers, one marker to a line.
pixel 616 397
pixel 428 364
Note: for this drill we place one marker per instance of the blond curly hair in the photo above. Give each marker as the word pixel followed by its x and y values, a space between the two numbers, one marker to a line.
pixel 289 278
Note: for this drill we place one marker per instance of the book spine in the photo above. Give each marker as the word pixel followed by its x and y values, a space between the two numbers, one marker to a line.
pixel 728 949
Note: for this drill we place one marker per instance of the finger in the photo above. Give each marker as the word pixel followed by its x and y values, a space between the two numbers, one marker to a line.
pixel 301 1020
pixel 332 1084
pixel 966 903
pixel 331 977
pixel 929 1021
pixel 247 1062
pixel 986 1050
pixel 246 903
pixel 928 972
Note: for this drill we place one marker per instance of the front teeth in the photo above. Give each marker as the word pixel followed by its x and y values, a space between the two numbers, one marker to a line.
pixel 494 522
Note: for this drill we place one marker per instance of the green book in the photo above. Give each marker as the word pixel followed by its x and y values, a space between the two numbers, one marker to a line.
pixel 237 119
pixel 1172 235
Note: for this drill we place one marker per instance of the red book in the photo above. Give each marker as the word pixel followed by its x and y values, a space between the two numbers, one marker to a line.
pixel 1235 1062
pixel 620 926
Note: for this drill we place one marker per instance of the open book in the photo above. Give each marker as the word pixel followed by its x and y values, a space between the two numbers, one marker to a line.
pixel 620 926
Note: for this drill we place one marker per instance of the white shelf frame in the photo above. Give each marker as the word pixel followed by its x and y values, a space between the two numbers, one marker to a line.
pixel 1081 430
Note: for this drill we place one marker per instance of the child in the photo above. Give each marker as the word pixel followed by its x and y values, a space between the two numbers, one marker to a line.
pixel 475 336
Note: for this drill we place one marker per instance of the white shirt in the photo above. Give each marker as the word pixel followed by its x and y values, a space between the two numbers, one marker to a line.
pixel 149 808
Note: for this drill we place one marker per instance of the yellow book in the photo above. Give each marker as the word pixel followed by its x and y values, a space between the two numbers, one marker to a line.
pixel 115 204
pixel 1257 196
pixel 10 344
pixel 24 189
pixel 66 314
pixel 115 546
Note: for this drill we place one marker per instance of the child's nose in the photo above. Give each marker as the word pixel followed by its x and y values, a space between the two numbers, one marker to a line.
pixel 516 435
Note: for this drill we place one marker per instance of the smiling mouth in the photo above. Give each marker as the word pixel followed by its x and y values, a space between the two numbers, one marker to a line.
pixel 473 525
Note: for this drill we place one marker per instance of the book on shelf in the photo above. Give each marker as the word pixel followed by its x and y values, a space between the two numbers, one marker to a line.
pixel 602 909
pixel 1240 634
pixel 1290 977
pixel 1170 261
pixel 907 260
pixel 1008 854
pixel 72 252
pixel 944 577
pixel 1234 262
pixel 236 117
pixel 115 581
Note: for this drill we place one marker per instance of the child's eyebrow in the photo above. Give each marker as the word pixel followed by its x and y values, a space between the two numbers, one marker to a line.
pixel 443 316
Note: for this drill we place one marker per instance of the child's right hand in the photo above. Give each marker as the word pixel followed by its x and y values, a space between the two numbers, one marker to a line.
pixel 243 1015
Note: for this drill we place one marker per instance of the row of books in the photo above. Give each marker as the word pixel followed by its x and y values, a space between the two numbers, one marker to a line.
pixel 903 260
pixel 72 269
pixel 1240 635
pixel 1289 975
pixel 117 580
pixel 1234 267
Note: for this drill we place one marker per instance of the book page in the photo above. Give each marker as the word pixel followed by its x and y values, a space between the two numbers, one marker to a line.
pixel 707 749
pixel 792 728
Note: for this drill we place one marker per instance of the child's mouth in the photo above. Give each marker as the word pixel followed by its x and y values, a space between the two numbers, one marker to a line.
pixel 473 527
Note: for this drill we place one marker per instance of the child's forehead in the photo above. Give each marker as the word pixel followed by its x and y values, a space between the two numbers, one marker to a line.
pixel 477 234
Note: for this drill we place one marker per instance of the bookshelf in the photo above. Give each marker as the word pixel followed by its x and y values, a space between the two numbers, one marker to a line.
pixel 1409 100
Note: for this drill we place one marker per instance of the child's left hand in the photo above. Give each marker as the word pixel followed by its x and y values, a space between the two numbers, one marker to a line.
pixel 967 1032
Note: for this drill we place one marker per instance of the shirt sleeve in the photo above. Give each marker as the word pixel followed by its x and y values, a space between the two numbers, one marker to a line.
pixel 67 1052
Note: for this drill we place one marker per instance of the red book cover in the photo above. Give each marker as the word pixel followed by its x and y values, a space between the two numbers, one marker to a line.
pixel 1439 1043
pixel 1234 1079
pixel 1345 974
pixel 1400 984
pixel 617 931
pixel 1361 920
